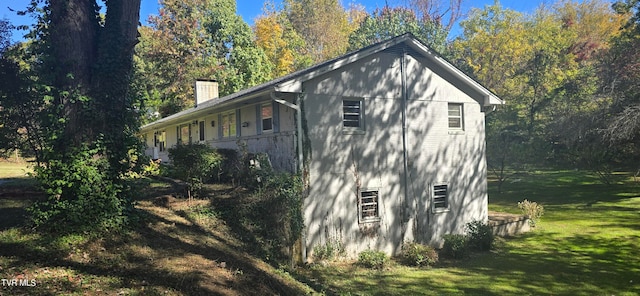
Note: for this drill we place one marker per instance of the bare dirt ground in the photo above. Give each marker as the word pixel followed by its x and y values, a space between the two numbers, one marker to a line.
pixel 174 249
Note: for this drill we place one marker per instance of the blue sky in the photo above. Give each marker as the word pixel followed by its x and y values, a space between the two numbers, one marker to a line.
pixel 250 9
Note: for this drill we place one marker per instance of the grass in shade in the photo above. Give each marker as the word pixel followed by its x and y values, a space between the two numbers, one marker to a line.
pixel 587 243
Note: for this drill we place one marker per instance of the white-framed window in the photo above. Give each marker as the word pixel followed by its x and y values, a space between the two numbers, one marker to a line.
pixel 228 124
pixel 352 115
pixel 456 116
pixel 266 116
pixel 184 134
pixel 160 139
pixel 369 205
pixel 440 197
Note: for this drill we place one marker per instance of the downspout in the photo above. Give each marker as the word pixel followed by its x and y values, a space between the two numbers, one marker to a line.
pixel 300 166
pixel 403 77
pixel 296 107
pixel 490 110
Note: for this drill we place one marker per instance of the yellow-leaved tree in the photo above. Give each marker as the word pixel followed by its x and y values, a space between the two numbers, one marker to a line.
pixel 281 43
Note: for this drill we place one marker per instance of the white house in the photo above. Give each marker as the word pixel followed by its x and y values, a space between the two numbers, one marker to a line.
pixel 391 139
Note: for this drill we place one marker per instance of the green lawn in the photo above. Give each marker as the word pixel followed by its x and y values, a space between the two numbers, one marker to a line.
pixel 587 243
pixel 10 169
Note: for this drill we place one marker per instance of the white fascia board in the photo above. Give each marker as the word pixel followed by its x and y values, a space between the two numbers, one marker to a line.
pixel 493 100
pixel 290 86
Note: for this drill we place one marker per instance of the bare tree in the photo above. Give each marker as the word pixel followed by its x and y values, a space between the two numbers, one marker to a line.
pixel 443 13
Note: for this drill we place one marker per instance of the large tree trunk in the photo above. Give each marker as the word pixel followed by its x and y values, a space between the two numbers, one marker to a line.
pixel 73 35
pixel 93 62
pixel 111 79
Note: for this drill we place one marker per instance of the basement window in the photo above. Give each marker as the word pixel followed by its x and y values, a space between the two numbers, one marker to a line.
pixel 440 197
pixel 368 205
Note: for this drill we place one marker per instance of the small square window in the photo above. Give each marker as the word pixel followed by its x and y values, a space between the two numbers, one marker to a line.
pixel 440 197
pixel 368 206
pixel 353 115
pixel 455 116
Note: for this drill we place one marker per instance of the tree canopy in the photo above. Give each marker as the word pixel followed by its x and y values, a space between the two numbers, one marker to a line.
pixel 556 69
pixel 389 22
pixel 196 39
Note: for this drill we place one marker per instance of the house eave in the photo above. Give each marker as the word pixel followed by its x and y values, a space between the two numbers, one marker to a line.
pixel 210 107
pixel 493 100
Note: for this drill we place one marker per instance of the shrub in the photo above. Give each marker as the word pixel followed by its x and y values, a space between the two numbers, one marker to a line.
pixel 194 164
pixel 269 219
pixel 82 197
pixel 330 250
pixel 240 167
pixel 455 246
pixel 373 259
pixel 418 255
pixel 532 210
pixel 230 166
pixel 479 235
pixel 285 192
pixel 151 169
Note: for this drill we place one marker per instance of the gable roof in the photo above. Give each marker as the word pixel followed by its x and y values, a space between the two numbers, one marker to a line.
pixel 292 83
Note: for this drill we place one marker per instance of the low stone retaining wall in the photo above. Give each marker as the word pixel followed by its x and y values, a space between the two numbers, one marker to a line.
pixel 505 224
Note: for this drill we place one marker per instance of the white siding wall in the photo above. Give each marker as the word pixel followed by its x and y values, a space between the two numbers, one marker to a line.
pixel 279 145
pixel 331 210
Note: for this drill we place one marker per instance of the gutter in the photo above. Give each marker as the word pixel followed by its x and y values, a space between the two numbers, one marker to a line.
pixel 203 109
pixel 300 166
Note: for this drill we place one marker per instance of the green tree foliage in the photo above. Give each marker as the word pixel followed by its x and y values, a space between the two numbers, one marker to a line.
pixel 621 79
pixel 578 119
pixel 69 104
pixel 5 35
pixel 193 40
pixel 323 24
pixel 82 197
pixel 22 110
pixel 389 22
pixel 491 49
pixel 492 46
pixel 281 43
pixel 194 164
pixel 546 66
